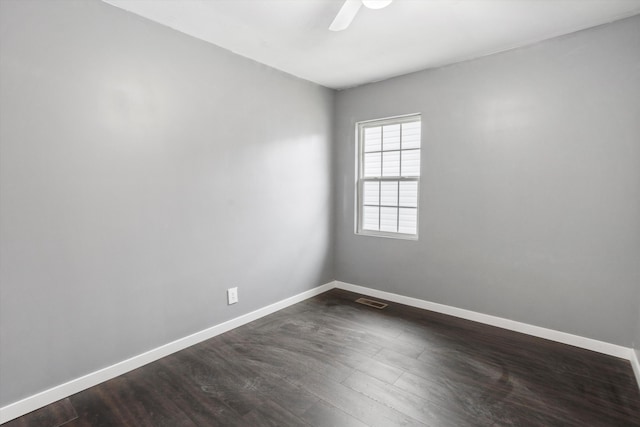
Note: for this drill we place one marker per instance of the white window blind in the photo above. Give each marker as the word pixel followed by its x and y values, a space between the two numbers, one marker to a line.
pixel 389 176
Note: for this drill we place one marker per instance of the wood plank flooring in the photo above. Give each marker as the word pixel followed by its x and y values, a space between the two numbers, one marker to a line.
pixel 331 362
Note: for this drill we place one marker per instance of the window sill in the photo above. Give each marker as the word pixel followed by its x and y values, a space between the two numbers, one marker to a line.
pixel 388 235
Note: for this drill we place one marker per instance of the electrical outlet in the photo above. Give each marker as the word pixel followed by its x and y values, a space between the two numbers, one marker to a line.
pixel 232 296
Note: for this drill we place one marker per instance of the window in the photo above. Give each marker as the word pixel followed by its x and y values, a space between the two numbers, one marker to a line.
pixel 388 177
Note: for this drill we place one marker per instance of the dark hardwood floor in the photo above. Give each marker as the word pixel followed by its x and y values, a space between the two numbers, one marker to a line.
pixel 331 362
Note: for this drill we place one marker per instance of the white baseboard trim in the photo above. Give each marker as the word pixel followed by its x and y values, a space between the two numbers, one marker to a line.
pixel 37 401
pixel 635 364
pixel 512 325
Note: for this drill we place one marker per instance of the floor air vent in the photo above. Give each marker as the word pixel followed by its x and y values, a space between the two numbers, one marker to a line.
pixel 372 303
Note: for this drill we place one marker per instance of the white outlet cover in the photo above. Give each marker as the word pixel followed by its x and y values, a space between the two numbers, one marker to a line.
pixel 232 295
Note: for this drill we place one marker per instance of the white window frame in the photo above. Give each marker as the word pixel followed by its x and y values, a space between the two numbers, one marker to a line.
pixel 361 179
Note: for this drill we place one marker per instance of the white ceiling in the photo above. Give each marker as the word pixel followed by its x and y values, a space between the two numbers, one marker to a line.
pixel 408 35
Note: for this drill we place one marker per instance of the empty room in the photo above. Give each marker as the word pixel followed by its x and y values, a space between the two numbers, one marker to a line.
pixel 319 213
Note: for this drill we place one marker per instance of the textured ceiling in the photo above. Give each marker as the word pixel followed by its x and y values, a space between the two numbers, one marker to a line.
pixel 408 35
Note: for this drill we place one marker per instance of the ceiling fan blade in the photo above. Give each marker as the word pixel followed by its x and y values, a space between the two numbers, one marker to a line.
pixel 346 14
pixel 376 4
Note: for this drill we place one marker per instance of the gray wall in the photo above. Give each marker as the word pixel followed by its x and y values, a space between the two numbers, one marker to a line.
pixel 530 193
pixel 143 172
